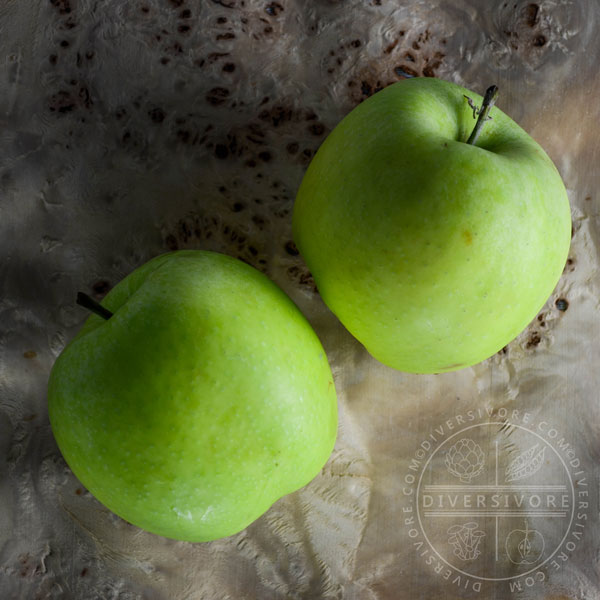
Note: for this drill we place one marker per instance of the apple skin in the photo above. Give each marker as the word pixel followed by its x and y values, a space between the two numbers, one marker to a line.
pixel 204 398
pixel 432 252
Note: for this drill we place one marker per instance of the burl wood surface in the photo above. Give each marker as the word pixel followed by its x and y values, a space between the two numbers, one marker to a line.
pixel 133 128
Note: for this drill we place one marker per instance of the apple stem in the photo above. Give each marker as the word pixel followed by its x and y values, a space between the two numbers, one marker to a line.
pixel 491 94
pixel 89 303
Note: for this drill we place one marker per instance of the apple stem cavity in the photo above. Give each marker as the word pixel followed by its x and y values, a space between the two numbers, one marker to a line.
pixel 89 303
pixel 491 94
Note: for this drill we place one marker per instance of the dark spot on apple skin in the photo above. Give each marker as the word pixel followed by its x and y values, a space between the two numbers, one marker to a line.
pixel 467 237
pixel 562 304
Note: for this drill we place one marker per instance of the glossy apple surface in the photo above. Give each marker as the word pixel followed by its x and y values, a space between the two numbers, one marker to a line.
pixel 202 400
pixel 434 253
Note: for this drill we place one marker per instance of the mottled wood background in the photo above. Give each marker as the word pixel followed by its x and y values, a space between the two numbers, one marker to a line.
pixel 131 128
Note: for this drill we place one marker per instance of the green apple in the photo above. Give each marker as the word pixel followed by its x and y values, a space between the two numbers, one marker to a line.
pixel 433 252
pixel 203 399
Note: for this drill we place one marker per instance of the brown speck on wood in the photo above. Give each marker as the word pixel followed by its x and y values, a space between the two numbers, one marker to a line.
pixel 171 242
pixel 63 6
pixel 534 340
pixel 291 248
pixel 221 151
pixel 217 96
pixel 157 115
pixel 429 70
pixel 405 71
pixel 101 287
pixel 273 9
pixel 317 128
pixel 390 47
pixel 531 14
